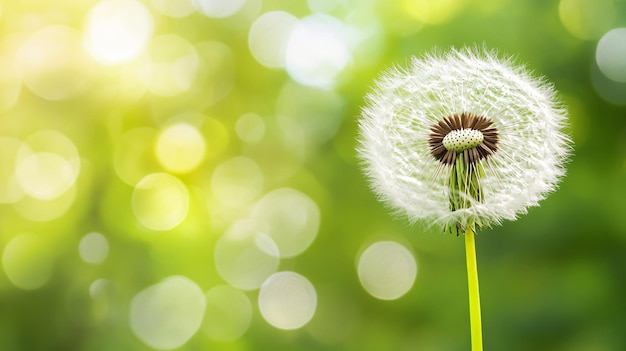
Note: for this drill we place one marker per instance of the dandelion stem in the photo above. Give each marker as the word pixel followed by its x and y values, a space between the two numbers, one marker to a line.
pixel 472 282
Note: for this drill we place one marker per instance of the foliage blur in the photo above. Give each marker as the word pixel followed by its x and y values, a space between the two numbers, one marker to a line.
pixel 159 125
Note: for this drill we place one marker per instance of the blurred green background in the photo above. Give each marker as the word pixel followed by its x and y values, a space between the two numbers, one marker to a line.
pixel 160 160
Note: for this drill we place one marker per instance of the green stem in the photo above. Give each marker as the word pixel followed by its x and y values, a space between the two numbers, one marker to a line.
pixel 474 298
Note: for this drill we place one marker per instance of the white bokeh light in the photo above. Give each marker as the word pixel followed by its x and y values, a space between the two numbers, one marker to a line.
pixel 237 181
pixel 117 30
pixel 216 73
pixel 250 128
pixel 366 38
pixel 99 287
pixel 174 8
pixel 10 82
pixel 10 190
pixel 48 165
pixel 245 257
pixel 308 116
pixel 228 313
pixel 387 270
pixel 37 210
pixel 180 148
pixel 53 64
pixel 268 37
pixel 610 90
pixel 317 51
pixel 45 175
pixel 160 201
pixel 611 54
pixel 103 296
pixel 166 315
pixel 218 8
pixel 325 6
pixel 172 66
pixel 587 19
pixel 93 248
pixel 287 300
pixel 290 218
pixel 27 261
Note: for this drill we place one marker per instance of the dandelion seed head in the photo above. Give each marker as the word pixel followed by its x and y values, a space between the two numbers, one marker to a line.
pixel 470 102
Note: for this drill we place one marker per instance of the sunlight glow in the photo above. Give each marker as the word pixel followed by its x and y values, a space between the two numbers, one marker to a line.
pixel 53 64
pixel 117 30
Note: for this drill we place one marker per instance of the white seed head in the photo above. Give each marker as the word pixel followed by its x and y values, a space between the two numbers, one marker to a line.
pixel 406 103
pixel 462 139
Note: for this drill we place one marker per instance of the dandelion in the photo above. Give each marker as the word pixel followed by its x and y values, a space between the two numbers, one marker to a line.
pixel 464 140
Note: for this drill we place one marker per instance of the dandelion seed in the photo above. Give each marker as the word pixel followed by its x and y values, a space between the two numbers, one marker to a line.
pixel 463 139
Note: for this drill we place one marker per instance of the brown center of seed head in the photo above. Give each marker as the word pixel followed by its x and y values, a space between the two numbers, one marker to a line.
pixel 458 122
